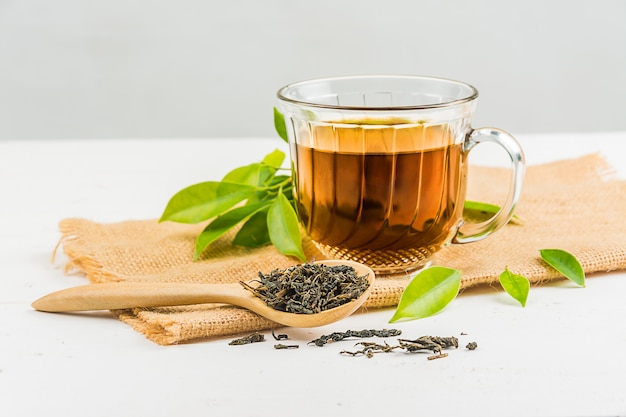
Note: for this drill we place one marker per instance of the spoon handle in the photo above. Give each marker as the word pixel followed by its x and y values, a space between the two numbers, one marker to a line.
pixel 111 296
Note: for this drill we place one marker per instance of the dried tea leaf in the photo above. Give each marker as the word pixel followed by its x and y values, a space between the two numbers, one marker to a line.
pixel 428 293
pixel 246 340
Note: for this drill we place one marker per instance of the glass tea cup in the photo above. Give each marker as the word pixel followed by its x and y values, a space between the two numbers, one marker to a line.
pixel 380 167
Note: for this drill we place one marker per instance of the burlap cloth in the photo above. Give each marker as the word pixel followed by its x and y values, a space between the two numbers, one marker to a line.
pixel 576 205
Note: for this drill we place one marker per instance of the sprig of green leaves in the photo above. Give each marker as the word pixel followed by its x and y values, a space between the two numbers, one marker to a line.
pixel 255 196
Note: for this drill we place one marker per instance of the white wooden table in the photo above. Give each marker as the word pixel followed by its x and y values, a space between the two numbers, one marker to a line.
pixel 562 355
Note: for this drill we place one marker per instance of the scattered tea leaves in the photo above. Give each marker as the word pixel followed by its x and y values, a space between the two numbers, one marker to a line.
pixel 434 344
pixel 282 346
pixel 565 263
pixel 369 349
pixel 338 336
pixel 438 356
pixel 517 286
pixel 471 346
pixel 246 340
pixel 428 293
pixel 280 336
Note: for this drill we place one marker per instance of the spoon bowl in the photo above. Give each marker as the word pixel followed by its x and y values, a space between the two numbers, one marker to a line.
pixel 123 295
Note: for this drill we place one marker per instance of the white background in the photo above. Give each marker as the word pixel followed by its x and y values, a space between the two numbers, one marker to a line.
pixel 199 68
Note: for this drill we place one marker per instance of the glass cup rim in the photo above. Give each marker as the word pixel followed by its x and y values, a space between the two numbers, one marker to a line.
pixel 282 93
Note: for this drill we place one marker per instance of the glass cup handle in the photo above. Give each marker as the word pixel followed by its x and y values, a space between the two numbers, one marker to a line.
pixel 472 232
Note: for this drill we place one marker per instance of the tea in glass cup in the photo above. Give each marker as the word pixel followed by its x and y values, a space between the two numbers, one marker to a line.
pixel 380 167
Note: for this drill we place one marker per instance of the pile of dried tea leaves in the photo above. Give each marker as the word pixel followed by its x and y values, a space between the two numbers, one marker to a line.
pixel 309 288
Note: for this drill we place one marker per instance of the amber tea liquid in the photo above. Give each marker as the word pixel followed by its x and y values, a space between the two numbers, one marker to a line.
pixel 380 193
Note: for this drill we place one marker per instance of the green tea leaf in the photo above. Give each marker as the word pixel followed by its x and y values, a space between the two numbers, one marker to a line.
pixel 428 293
pixel 270 165
pixel 274 158
pixel 283 226
pixel 486 208
pixel 517 286
pixel 248 174
pixel 257 173
pixel 205 200
pixel 565 263
pixel 254 232
pixel 483 211
pixel 223 224
pixel 279 125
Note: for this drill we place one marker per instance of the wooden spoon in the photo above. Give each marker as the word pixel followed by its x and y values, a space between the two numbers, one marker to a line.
pixel 121 295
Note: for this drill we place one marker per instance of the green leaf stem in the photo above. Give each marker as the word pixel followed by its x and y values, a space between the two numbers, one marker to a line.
pixel 565 263
pixel 428 293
